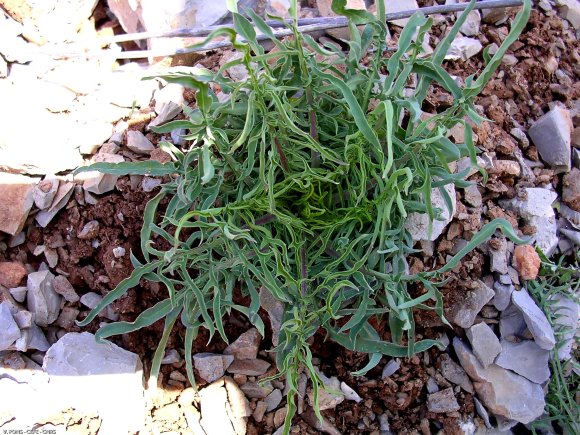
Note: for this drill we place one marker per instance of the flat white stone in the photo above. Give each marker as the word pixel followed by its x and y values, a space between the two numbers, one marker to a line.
pixel 112 376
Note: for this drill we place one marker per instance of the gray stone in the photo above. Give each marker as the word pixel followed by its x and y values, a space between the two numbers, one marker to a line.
pixel 275 310
pixel 41 298
pixel 66 318
pixel 471 25
pixel 442 402
pixel 171 357
pixel 503 294
pixel 273 400
pixel 484 343
pixel 499 257
pixel 503 392
pixel 349 393
pixel 170 93
pixel 537 211
pixel 89 231
pixel 37 340
pixel 567 315
pixel 149 184
pixel 570 10
pixel 9 332
pixel 418 223
pixel 119 252
pixel 255 390
pixel 95 132
pixel 63 194
pixel 576 157
pixel 398 6
pixel 224 409
pixel 143 16
pixel 138 143
pixel 19 293
pixel 246 345
pixel 453 372
pixel 552 135
pixel 77 362
pixel 97 182
pixel 64 288
pixel 22 318
pixel 472 196
pixel 535 320
pixel 463 313
pixel 211 366
pixel 15 202
pixel 525 358
pixel 312 419
pixel 512 325
pixel 462 48
pixel 391 368
pixel 432 386
pixel 330 396
pixel 44 192
pixel 248 367
pixel 170 110
pixel 482 412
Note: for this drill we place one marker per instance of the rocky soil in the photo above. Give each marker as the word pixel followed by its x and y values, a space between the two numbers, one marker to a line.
pixel 65 241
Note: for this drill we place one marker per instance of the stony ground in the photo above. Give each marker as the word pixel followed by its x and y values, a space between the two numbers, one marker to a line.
pixel 65 243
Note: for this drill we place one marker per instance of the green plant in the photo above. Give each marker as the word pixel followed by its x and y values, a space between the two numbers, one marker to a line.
pixel 562 407
pixel 301 182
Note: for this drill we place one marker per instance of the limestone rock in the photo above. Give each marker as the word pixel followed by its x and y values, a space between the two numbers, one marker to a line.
pixel 51 20
pixel 527 262
pixel 89 231
pixel 9 332
pixel 44 192
pixel 501 390
pixel 246 346
pixel 463 313
pixel 63 194
pixel 418 223
pixel 169 111
pixel 552 136
pixel 349 393
pixel 142 15
pixel 535 319
pixel 571 189
pixel 537 211
pixel 484 343
pixel 570 10
pixel 503 295
pixel 471 25
pixel 275 310
pixel 273 399
pixel 392 6
pixel 64 288
pixel 41 298
pixel 138 143
pixel 499 257
pixel 255 390
pixel 11 273
pixel 77 362
pixel 330 396
pixel 224 409
pixel 462 48
pixel 15 202
pixel 99 183
pixel 512 325
pixel 567 314
pixel 211 366
pixel 248 367
pixel 391 368
pixel 442 401
pixel 453 372
pixel 525 358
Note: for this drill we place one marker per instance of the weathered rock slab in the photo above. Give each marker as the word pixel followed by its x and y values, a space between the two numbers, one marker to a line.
pixel 503 392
